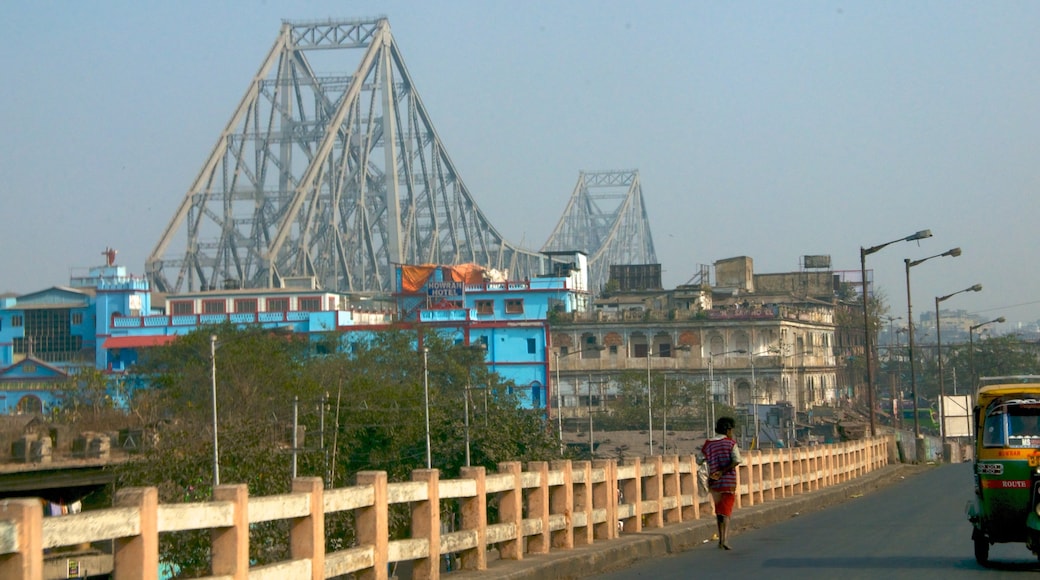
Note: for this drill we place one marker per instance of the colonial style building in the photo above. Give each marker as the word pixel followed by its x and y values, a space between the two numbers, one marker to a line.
pixel 753 338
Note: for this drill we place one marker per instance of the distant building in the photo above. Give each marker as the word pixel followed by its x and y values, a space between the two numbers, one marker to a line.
pixel 765 339
pixel 105 319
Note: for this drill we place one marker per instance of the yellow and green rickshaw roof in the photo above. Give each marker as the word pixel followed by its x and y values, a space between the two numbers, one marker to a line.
pixel 996 387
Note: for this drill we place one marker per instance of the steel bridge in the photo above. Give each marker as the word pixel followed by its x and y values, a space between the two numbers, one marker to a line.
pixel 331 179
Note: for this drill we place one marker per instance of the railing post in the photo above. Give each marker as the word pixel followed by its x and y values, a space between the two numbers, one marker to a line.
pixel 770 474
pixel 604 495
pixel 231 545
pixel 632 489
pixel 561 502
pixel 583 503
pixel 307 534
pixel 760 478
pixel 511 511
pixel 831 460
pixel 655 492
pixel 689 486
pixel 27 562
pixel 746 477
pixel 426 523
pixel 538 508
pixel 672 492
pixel 373 526
pixel 474 517
pixel 137 557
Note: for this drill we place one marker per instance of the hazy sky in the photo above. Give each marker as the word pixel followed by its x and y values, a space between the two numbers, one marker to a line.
pixel 766 129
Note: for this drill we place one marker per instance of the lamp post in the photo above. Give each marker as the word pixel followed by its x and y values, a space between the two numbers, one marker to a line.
pixel 863 253
pixel 710 392
pixel 479 347
pixel 664 425
pixel 426 404
pixel 754 392
pixel 893 337
pixel 559 402
pixel 559 391
pixel 910 333
pixel 213 388
pixel 649 399
pixel 971 351
pixel 592 441
pixel 938 352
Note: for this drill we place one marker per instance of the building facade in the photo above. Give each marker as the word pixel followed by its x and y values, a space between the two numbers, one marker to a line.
pixel 753 339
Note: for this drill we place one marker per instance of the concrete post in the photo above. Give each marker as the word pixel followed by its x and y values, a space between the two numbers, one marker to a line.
pixel 231 545
pixel 561 502
pixel 27 562
pixel 307 534
pixel 426 523
pixel 510 511
pixel 671 491
pixel 373 526
pixel 137 557
pixel 538 508
pixel 604 496
pixel 688 486
pixel 582 500
pixel 474 517
pixel 654 485
pixel 632 489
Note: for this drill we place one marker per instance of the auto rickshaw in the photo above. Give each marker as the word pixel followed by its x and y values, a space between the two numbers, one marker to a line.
pixel 1006 507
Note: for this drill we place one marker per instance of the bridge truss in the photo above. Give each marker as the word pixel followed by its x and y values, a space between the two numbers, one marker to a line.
pixel 333 178
pixel 605 218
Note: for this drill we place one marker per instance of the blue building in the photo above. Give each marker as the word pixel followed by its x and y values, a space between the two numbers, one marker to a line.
pixel 510 318
pixel 104 319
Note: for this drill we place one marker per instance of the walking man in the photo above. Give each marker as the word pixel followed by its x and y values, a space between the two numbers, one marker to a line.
pixel 722 456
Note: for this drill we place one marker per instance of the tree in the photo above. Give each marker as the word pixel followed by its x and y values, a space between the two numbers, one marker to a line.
pixel 994 356
pixel 367 391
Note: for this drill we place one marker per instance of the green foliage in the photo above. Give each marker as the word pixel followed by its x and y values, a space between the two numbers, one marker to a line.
pixel 993 357
pixel 88 393
pixel 367 395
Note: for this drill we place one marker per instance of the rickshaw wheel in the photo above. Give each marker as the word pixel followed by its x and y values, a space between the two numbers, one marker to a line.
pixel 981 550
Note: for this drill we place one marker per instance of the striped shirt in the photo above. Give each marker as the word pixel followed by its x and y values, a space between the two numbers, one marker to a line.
pixel 720 453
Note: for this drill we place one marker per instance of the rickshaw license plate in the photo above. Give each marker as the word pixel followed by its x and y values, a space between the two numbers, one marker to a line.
pixel 991 469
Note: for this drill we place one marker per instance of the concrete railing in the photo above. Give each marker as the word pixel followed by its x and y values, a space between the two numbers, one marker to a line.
pixel 550 506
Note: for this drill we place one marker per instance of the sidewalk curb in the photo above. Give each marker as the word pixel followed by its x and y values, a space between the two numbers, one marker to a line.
pixel 605 556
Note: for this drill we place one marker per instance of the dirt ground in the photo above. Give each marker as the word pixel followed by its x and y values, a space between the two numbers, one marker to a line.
pixel 620 444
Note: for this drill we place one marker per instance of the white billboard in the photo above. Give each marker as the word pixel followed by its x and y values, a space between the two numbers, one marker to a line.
pixel 957 415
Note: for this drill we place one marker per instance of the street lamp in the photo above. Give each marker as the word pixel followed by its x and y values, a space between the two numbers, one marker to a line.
pixel 479 347
pixel 559 391
pixel 426 406
pixel 710 393
pixel 938 352
pixel 649 399
pixel 910 333
pixel 863 253
pixel 664 426
pixel 892 337
pixel 213 386
pixel 971 350
pixel 754 391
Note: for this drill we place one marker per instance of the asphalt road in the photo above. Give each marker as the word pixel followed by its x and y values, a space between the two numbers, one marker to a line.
pixel 915 529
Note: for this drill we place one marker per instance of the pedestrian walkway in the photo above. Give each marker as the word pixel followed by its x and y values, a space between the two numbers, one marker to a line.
pixel 602 557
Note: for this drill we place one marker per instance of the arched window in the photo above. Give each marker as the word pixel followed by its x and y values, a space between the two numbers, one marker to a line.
pixel 536 395
pixel 30 405
pixel 743 392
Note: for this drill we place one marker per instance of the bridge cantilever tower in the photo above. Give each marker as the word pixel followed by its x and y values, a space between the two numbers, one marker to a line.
pixel 605 218
pixel 331 177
